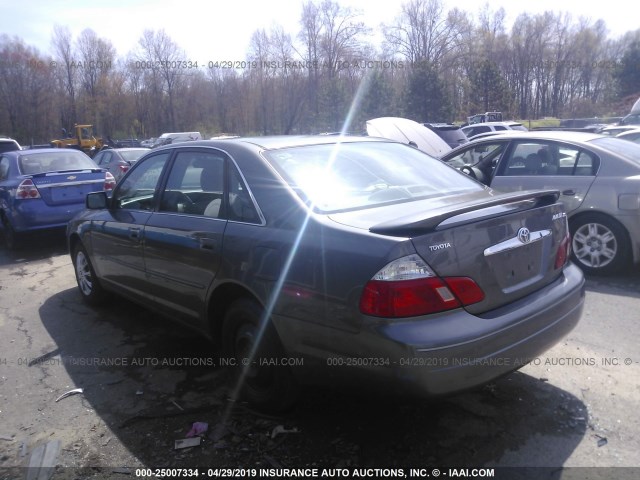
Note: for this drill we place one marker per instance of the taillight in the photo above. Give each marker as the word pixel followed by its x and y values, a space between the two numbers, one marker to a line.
pixel 109 181
pixel 407 287
pixel 123 168
pixel 564 252
pixel 27 189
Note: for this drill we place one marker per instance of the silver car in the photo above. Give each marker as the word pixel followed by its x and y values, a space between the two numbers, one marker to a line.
pixel 598 177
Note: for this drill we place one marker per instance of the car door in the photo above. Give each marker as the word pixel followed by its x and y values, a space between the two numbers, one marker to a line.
pixel 183 238
pixel 546 164
pixel 118 233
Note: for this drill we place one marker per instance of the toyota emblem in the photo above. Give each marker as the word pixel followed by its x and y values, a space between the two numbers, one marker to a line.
pixel 524 235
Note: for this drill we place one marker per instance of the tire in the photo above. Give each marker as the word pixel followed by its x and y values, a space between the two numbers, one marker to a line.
pixel 269 388
pixel 599 244
pixel 88 284
pixel 11 238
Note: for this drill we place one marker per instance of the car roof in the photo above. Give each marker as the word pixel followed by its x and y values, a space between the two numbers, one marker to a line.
pixel 547 134
pixel 567 136
pixel 279 141
pixel 629 132
pixel 493 123
pixel 127 149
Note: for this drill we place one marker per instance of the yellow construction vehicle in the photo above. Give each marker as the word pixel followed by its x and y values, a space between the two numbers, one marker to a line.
pixel 81 139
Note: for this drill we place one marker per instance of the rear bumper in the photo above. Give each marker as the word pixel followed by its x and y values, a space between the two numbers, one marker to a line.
pixel 444 353
pixel 31 215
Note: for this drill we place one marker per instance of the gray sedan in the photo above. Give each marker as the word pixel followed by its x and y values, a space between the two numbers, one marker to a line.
pixel 334 260
pixel 118 160
pixel 598 177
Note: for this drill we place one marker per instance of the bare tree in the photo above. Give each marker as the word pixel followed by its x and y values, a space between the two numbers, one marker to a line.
pixel 163 58
pixel 94 65
pixel 65 71
pixel 424 32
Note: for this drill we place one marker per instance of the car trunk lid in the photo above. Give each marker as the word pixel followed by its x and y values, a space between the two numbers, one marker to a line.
pixel 61 188
pixel 507 244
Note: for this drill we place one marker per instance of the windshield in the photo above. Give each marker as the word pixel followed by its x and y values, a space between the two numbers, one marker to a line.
pixel 622 147
pixel 362 174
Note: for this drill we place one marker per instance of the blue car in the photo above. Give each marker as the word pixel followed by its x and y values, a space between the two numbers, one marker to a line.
pixel 44 188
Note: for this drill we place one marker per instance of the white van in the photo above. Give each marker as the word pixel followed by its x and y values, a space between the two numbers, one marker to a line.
pixel 167 138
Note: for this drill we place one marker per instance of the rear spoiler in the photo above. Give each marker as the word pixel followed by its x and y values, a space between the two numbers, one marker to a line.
pixel 425 222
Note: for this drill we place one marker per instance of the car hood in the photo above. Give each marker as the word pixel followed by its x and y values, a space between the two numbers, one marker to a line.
pixel 404 130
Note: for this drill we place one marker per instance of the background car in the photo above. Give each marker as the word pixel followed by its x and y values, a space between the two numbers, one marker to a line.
pixel 325 248
pixel 44 188
pixel 8 145
pixel 118 160
pixel 450 133
pixel 632 135
pixel 148 142
pixel 472 130
pixel 598 177
pixel 407 131
pixel 631 119
pixel 616 130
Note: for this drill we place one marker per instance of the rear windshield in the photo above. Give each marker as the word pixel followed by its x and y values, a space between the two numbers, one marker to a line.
pixel 133 155
pixel 61 160
pixel 355 175
pixel 620 146
pixel 451 135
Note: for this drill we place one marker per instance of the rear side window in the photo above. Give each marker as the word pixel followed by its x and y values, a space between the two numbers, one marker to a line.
pixel 548 158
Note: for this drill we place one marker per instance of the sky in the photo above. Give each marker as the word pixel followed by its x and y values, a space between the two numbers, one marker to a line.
pixel 215 30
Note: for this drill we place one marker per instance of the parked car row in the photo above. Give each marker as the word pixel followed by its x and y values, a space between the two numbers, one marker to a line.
pixel 334 250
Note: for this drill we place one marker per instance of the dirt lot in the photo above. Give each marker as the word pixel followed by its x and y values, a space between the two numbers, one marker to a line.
pixel 146 381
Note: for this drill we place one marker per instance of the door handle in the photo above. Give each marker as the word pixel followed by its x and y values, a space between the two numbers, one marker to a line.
pixel 134 233
pixel 569 192
pixel 207 243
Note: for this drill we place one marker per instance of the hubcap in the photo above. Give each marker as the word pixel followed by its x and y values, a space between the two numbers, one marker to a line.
pixel 84 274
pixel 594 245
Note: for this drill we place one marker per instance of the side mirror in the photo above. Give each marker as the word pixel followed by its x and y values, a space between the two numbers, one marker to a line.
pixel 97 201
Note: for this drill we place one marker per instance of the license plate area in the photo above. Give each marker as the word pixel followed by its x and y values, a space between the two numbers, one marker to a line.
pixel 518 267
pixel 70 194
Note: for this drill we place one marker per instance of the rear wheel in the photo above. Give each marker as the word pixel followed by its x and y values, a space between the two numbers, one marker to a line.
pixel 599 245
pixel 90 289
pixel 10 235
pixel 250 338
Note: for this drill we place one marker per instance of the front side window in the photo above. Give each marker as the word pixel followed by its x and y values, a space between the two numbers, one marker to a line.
pixel 138 189
pixel 478 154
pixel 195 184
